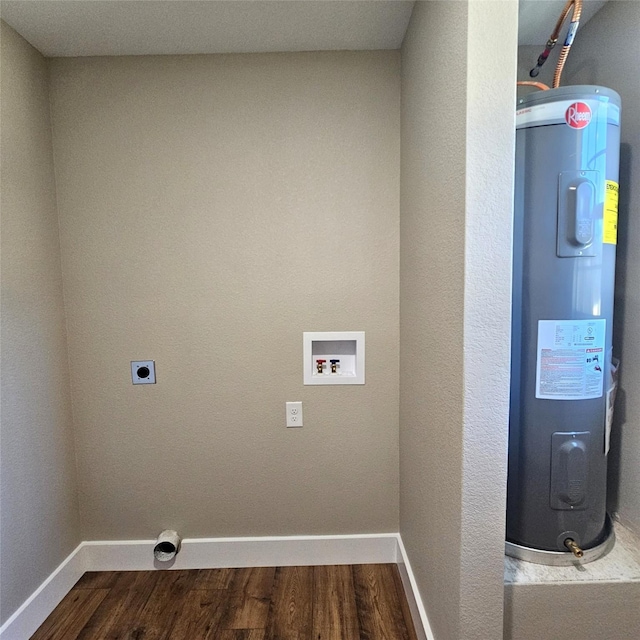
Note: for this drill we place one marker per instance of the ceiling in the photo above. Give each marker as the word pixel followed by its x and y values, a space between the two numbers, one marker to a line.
pixel 138 27
pixel 59 28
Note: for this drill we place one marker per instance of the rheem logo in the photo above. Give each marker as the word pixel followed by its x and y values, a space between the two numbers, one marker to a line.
pixel 578 115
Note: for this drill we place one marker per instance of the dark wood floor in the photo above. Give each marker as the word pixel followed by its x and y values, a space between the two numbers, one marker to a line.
pixel 346 602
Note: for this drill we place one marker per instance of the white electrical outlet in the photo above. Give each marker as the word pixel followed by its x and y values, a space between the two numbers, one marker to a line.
pixel 294 414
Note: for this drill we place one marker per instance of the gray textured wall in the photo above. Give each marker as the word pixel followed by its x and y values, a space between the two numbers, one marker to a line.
pixel 490 129
pixel 455 281
pixel 432 268
pixel 39 526
pixel 212 208
pixel 578 611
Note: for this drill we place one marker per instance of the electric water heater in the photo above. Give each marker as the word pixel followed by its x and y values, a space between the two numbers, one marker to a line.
pixel 565 233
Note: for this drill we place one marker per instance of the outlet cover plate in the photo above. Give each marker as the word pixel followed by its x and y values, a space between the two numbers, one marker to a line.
pixel 143 371
pixel 294 414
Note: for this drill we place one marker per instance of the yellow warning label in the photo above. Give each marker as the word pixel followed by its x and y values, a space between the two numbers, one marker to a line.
pixel 610 221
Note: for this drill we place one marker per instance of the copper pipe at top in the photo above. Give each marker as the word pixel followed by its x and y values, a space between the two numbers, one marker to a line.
pixel 577 12
pixel 530 83
pixel 573 27
pixel 576 7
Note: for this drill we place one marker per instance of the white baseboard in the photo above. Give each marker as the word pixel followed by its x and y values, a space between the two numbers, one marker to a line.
pixel 418 613
pixel 204 553
pixel 35 609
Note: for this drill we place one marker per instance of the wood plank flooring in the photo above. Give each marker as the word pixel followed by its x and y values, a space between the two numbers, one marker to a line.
pixel 343 602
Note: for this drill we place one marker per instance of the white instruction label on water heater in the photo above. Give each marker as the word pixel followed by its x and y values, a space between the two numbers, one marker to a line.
pixel 570 359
